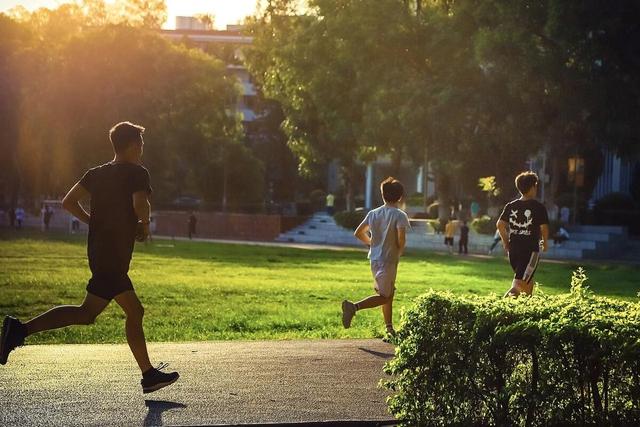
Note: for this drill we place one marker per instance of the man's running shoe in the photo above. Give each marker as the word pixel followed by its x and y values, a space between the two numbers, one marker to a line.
pixel 155 379
pixel 348 311
pixel 13 335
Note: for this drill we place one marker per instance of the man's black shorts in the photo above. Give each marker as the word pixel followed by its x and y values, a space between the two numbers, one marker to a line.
pixel 524 263
pixel 108 285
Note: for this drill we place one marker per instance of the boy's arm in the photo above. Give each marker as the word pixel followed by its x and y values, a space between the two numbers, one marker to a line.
pixel 362 234
pixel 142 208
pixel 544 231
pixel 71 202
pixel 504 234
pixel 402 239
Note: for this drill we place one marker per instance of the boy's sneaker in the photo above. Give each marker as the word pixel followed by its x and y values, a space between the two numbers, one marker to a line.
pixel 13 335
pixel 154 379
pixel 348 311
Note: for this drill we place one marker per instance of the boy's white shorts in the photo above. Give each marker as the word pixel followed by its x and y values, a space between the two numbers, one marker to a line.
pixel 384 277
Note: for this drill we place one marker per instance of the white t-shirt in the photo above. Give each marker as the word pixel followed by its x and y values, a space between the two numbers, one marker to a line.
pixel 383 223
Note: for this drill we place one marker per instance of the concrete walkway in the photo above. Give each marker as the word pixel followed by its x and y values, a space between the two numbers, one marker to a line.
pixel 221 383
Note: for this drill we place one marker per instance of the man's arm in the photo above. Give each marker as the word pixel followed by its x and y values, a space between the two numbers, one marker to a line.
pixel 504 234
pixel 71 202
pixel 142 208
pixel 362 234
pixel 544 231
pixel 402 239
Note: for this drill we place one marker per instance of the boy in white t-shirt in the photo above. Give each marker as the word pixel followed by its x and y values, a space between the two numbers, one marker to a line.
pixel 383 230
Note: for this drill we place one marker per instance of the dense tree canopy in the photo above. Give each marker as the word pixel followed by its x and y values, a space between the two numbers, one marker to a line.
pixel 474 87
pixel 72 73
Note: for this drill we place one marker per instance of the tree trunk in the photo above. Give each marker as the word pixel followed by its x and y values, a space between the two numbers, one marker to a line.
pixel 425 177
pixel 396 161
pixel 443 191
pixel 348 179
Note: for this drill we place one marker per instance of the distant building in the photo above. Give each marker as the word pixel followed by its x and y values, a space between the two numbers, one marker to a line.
pixel 194 30
pixel 191 23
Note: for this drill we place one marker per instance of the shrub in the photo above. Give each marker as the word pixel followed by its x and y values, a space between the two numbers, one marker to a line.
pixel 615 201
pixel 432 209
pixel 564 360
pixel 415 199
pixel 484 225
pixel 436 225
pixel 349 220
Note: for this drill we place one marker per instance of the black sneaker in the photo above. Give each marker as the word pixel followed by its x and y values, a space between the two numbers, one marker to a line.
pixel 155 379
pixel 13 334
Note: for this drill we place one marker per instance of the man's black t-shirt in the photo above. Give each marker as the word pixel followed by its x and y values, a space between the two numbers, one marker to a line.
pixel 525 218
pixel 112 227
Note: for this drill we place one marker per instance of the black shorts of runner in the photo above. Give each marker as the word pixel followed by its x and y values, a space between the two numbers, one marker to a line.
pixel 524 264
pixel 448 241
pixel 109 285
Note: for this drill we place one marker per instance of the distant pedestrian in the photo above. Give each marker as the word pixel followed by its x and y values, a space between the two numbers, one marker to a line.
pixel 75 225
pixel 330 202
pixel 12 217
pixel 19 215
pixel 565 214
pixel 449 231
pixel 193 221
pixel 561 236
pixel 496 240
pixel 475 209
pixel 383 230
pixel 153 225
pixel 464 239
pixel 47 214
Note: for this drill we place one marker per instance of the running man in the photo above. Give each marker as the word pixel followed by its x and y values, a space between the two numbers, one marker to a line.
pixel 119 193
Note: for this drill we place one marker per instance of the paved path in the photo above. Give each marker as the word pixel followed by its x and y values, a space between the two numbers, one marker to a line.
pixel 231 382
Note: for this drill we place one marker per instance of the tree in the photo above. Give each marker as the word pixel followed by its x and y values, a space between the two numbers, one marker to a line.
pixel 75 86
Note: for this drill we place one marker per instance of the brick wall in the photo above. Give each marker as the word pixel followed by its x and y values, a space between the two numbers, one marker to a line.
pixel 217 225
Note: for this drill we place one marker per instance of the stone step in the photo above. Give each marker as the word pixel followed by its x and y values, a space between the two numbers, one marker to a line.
pixel 591 229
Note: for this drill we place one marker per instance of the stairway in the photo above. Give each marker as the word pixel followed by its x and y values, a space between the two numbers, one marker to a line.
pixel 321 228
pixel 587 241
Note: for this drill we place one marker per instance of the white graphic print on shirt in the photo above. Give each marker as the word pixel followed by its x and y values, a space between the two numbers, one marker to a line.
pixel 520 228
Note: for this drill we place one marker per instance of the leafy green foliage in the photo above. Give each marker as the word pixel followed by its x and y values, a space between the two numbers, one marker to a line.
pixel 484 225
pixel 349 219
pixel 570 359
pixel 75 74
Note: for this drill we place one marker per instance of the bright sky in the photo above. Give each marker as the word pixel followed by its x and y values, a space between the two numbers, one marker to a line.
pixel 225 11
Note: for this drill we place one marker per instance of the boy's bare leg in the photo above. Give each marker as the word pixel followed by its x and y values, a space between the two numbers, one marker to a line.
pixel 387 312
pixel 67 315
pixel 132 307
pixel 528 288
pixel 518 287
pixel 372 301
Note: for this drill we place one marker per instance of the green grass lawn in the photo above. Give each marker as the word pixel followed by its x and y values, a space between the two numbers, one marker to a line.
pixel 202 291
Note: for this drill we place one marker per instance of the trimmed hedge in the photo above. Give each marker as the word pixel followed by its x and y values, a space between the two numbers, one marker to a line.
pixel 562 360
pixel 349 219
pixel 484 225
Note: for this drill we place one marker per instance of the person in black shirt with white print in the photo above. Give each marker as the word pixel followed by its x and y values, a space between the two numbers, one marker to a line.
pixel 524 230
